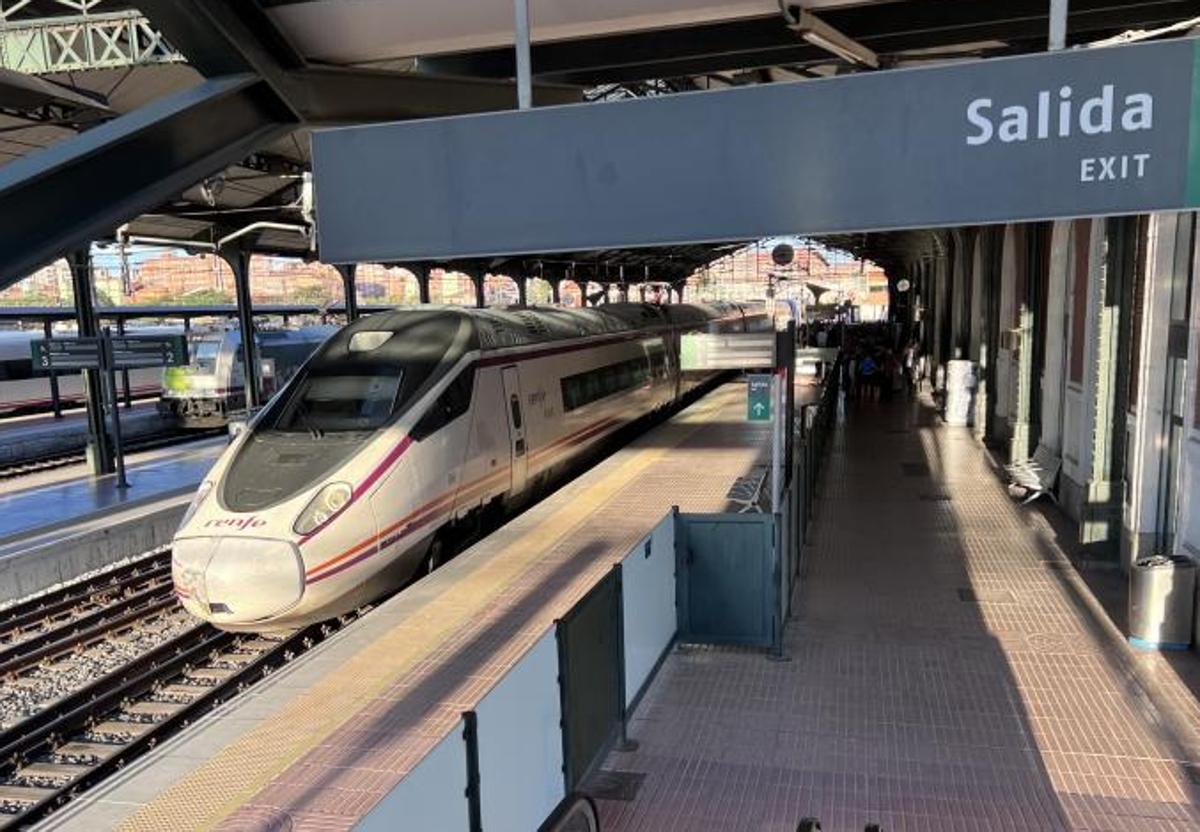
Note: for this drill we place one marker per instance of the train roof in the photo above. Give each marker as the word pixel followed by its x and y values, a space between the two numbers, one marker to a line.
pixel 519 326
pixel 304 334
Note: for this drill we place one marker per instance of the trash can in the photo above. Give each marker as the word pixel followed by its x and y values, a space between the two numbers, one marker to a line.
pixel 1161 599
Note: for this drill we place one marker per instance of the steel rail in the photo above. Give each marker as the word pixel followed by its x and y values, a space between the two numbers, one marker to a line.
pixel 20 617
pixel 91 627
pixel 115 694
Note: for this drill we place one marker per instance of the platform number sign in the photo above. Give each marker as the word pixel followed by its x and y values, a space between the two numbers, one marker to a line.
pixel 149 351
pixel 128 352
pixel 758 398
pixel 66 354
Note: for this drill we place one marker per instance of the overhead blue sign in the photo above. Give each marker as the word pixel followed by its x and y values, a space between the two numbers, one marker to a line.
pixel 1076 133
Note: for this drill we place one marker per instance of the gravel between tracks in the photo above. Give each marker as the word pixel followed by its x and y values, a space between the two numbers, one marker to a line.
pixel 26 695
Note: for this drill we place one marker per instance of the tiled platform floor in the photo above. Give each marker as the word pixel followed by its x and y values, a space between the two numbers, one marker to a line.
pixel 49 498
pixel 949 669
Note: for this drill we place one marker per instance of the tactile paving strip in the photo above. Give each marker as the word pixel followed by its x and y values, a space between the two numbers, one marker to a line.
pixel 324 759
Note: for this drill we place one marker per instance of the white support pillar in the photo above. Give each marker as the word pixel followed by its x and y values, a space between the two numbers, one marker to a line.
pixel 1006 361
pixel 1147 425
pixel 1189 494
pixel 1058 25
pixel 524 62
pixel 1055 372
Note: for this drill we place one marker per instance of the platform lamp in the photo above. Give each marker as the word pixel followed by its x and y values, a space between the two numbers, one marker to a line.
pixel 783 255
pixel 823 36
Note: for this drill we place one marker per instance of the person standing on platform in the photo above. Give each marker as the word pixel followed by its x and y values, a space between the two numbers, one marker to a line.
pixel 910 368
pixel 868 369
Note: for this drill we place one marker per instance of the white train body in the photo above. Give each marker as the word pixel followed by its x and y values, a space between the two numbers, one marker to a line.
pixel 213 384
pixel 22 390
pixel 406 425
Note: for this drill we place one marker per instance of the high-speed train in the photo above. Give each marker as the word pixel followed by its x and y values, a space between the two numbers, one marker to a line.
pixel 213 384
pixel 403 428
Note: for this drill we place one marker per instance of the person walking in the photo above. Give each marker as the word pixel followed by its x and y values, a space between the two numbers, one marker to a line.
pixel 910 368
pixel 868 370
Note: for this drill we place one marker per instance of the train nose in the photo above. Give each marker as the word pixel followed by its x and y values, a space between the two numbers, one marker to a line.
pixel 237 580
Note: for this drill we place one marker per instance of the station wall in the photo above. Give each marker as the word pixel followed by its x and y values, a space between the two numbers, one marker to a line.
pixel 1085 335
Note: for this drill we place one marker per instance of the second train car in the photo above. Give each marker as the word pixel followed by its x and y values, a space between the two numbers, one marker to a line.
pixel 213 384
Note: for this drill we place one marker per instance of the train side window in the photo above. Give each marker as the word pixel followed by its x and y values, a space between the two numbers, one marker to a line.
pixel 454 402
pixel 20 369
pixel 515 404
pixel 593 385
pixel 16 370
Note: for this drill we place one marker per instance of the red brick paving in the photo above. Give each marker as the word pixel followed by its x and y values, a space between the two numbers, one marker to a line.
pixel 903 703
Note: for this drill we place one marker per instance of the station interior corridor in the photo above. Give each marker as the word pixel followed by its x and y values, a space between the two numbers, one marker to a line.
pixel 951 664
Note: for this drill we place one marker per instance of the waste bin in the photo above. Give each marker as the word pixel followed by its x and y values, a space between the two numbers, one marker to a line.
pixel 1161 599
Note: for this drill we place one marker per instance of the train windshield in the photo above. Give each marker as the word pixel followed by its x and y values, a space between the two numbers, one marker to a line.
pixel 204 353
pixel 323 403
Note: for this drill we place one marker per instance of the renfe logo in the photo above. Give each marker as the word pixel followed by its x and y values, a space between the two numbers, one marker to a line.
pixel 1096 116
pixel 239 523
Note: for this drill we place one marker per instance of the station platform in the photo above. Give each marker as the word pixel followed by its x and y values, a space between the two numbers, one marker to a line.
pixel 32 439
pixel 952 665
pixel 76 417
pixel 60 524
pixel 317 744
pixel 41 502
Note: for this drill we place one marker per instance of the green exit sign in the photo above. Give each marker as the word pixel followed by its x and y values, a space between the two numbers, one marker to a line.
pixel 758 398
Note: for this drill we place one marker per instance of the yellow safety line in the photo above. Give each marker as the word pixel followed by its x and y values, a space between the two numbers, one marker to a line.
pixel 243 768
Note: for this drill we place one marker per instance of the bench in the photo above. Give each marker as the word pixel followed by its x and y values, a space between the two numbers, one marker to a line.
pixel 747 491
pixel 1034 477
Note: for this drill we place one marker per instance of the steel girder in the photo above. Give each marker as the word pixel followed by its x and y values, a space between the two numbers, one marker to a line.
pixel 259 89
pixel 234 36
pixel 81 188
pixel 83 41
pixel 766 41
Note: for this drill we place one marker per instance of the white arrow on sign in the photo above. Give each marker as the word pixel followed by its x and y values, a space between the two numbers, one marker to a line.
pixel 758 408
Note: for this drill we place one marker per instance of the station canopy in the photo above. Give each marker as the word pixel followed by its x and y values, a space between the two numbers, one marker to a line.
pixel 132 97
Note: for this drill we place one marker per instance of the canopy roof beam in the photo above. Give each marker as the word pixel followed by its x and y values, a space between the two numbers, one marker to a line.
pixel 259 90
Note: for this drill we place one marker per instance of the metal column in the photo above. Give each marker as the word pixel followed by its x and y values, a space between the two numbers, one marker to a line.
pixel 124 375
pixel 110 377
pixel 350 289
pixel 55 399
pixel 99 453
pixel 522 291
pixel 477 279
pixel 239 262
pixel 422 273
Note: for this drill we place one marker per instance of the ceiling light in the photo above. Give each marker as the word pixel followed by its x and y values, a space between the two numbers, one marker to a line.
pixel 820 34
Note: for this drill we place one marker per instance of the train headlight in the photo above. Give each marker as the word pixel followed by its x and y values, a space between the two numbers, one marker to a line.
pixel 197 499
pixel 322 508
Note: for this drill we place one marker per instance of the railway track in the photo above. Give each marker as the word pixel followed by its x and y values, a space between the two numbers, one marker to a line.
pixel 33 615
pixel 53 461
pixel 56 754
pixel 100 616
